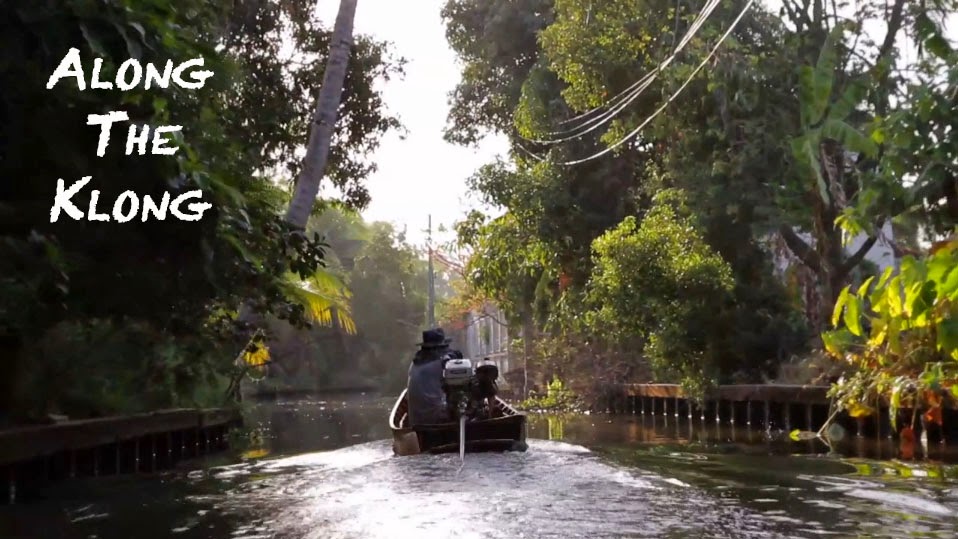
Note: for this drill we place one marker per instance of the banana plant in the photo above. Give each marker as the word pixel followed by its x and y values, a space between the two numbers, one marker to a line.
pixel 820 155
pixel 823 119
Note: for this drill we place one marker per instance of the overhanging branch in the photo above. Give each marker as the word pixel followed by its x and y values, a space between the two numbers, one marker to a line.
pixel 852 261
pixel 799 248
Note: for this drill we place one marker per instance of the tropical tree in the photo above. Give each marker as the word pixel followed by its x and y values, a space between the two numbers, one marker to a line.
pixel 155 301
pixel 562 59
pixel 324 119
pixel 667 304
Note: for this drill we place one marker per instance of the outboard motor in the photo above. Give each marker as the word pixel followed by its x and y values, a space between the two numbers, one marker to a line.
pixel 486 387
pixel 457 378
pixel 470 391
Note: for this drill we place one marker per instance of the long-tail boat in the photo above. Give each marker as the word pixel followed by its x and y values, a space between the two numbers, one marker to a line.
pixel 505 430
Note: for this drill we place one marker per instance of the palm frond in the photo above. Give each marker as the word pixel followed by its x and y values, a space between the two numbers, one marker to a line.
pixel 324 296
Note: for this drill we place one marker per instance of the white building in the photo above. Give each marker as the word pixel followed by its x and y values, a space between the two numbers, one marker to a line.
pixel 882 254
pixel 487 336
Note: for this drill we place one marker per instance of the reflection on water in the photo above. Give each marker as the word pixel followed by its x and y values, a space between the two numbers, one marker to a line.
pixel 331 474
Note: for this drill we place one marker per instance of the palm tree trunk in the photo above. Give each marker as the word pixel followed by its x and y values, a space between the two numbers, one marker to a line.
pixel 321 130
pixel 324 119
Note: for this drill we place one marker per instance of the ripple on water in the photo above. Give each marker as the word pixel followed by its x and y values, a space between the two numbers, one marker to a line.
pixel 554 490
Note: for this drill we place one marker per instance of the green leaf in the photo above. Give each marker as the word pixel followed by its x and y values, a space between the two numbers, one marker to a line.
pixel 804 152
pixel 241 249
pixel 949 288
pixel 840 305
pixel 853 316
pixel 877 135
pixel 894 405
pixel 939 46
pixel 893 294
pixel 863 289
pixel 940 267
pixel 806 86
pixel 924 303
pixel 879 332
pixel 894 335
pixel 884 278
pixel 836 342
pixel 853 96
pixel 947 341
pixel 823 78
pixel 849 137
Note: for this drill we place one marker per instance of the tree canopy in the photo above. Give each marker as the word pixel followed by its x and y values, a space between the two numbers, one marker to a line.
pixel 165 292
pixel 799 129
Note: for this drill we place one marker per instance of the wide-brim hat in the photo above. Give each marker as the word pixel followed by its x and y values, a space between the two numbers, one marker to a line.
pixel 434 338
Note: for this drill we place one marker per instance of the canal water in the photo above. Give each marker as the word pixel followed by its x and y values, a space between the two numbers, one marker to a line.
pixel 322 469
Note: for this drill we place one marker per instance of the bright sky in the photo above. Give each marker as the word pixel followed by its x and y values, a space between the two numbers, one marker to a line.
pixel 422 174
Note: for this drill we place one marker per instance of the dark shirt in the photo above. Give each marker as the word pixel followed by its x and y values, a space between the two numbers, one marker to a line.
pixel 426 398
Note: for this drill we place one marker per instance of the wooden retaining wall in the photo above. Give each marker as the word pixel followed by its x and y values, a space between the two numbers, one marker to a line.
pixel 771 407
pixel 109 446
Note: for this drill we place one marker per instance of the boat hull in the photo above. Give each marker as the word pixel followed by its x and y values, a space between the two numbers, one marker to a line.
pixel 507 432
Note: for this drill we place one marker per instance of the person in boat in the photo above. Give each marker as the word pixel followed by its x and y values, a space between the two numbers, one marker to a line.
pixel 424 393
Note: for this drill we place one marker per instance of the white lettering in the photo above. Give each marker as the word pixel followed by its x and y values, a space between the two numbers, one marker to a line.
pixel 62 200
pixel 150 207
pixel 105 121
pixel 153 75
pixel 70 66
pixel 130 73
pixel 197 209
pixel 121 79
pixel 159 141
pixel 198 76
pixel 139 140
pixel 91 214
pixel 118 214
pixel 95 81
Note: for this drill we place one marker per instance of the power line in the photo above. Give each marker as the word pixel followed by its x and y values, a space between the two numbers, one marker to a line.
pixel 635 131
pixel 623 93
pixel 623 99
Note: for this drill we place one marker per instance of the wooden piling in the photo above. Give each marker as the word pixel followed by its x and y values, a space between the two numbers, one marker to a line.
pixel 73 449
pixel 784 407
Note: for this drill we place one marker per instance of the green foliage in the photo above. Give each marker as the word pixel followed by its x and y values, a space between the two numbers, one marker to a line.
pixel 497 41
pixel 824 120
pixel 659 280
pixel 801 122
pixel 558 398
pixel 87 369
pixel 725 153
pixel 390 287
pixel 593 46
pixel 901 335
pixel 507 261
pixel 919 178
pixel 385 304
pixel 179 282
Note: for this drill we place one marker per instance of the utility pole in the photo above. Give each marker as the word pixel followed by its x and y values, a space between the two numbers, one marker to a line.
pixel 431 306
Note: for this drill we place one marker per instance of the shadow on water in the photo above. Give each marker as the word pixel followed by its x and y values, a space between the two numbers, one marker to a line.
pixel 329 472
